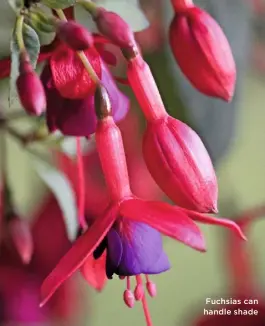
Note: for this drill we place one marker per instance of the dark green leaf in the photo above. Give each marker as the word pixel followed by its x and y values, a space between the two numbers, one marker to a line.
pixel 32 45
pixel 58 4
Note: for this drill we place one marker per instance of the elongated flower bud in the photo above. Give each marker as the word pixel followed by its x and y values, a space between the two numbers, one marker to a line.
pixel 180 164
pixel 20 234
pixel 114 28
pixel 202 52
pixel 77 37
pixel 110 148
pixel 173 152
pixel 29 87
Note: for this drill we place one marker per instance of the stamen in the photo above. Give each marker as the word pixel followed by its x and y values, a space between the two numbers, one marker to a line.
pixel 122 277
pixel 81 185
pixel 128 296
pixel 146 312
pixel 151 287
pixel 139 289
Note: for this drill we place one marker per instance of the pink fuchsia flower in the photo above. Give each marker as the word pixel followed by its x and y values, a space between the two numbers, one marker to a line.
pixel 202 50
pixel 126 208
pixel 174 154
pixel 242 285
pixel 76 117
pixel 19 284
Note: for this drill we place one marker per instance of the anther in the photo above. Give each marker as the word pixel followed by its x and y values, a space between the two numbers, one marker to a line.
pixel 128 296
pixel 151 287
pixel 139 289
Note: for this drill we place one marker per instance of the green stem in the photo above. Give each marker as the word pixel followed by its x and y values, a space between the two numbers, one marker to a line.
pixel 89 6
pixel 19 32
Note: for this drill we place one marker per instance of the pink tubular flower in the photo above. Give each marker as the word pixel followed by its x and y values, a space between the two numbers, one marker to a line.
pixel 76 117
pixel 122 223
pixel 173 152
pixel 202 51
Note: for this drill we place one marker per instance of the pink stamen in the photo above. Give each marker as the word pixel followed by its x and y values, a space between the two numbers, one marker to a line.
pixel 139 289
pixel 122 277
pixel 81 185
pixel 151 287
pixel 128 296
pixel 146 312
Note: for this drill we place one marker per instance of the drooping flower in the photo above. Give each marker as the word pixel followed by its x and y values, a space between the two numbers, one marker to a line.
pixel 19 284
pixel 202 50
pixel 76 117
pixel 244 297
pixel 173 152
pixel 124 206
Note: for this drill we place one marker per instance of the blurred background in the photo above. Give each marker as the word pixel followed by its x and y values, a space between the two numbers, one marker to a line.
pixel 235 137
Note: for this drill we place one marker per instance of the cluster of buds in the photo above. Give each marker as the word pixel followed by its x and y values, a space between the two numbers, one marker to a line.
pixel 79 96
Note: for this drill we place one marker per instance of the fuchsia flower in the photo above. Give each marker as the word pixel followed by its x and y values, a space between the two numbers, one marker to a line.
pixel 19 284
pixel 76 117
pixel 125 221
pixel 202 50
pixel 242 283
pixel 174 153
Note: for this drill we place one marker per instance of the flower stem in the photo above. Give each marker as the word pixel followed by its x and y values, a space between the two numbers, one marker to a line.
pixel 89 6
pixel 81 185
pixel 81 54
pixel 19 32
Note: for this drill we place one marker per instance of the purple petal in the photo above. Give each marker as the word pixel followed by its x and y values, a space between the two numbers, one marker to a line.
pixel 54 99
pixel 114 252
pixel 142 250
pixel 77 117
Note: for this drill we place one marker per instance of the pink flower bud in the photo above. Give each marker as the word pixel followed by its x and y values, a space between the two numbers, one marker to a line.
pixel 139 292
pixel 114 28
pixel 180 164
pixel 202 52
pixel 77 37
pixel 29 87
pixel 20 234
pixel 128 298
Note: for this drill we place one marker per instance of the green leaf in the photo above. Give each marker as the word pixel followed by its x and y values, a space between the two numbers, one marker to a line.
pixel 16 5
pixel 58 4
pixel 61 187
pixel 32 44
pixel 41 23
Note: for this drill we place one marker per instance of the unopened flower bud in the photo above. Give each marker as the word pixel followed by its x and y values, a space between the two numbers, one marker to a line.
pixel 179 163
pixel 203 53
pixel 21 237
pixel 29 87
pixel 128 298
pixel 77 37
pixel 114 28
